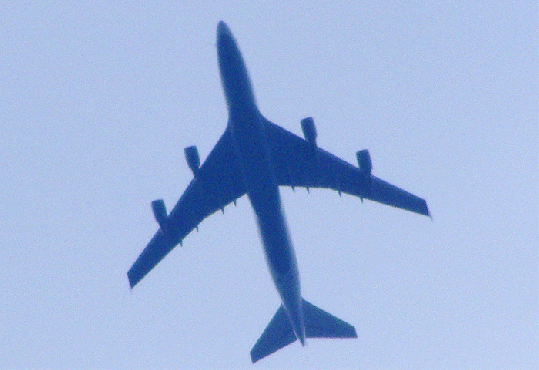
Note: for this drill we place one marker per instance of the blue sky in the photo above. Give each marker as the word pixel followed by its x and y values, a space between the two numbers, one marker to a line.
pixel 98 100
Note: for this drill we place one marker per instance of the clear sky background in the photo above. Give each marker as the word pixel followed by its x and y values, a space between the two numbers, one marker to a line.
pixel 98 100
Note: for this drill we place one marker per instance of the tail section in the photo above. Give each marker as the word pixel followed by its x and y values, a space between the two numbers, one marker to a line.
pixel 318 324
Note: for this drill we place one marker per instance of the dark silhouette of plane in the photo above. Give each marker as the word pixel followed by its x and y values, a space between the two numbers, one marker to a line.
pixel 255 157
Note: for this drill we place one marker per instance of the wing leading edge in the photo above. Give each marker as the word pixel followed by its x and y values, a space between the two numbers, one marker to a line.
pixel 300 163
pixel 217 183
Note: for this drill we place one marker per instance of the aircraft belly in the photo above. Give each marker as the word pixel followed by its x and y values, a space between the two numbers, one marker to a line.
pixel 280 254
pixel 274 234
pixel 253 153
pixel 266 201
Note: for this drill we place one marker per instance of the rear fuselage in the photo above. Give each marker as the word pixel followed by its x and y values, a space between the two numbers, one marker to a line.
pixel 254 158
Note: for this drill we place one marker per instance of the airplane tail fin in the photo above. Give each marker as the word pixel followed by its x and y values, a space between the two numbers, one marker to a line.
pixel 318 324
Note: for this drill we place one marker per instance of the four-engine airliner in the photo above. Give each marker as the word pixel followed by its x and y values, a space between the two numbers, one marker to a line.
pixel 255 157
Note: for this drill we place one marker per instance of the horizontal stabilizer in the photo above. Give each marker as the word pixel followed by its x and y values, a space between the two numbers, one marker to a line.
pixel 320 324
pixel 277 335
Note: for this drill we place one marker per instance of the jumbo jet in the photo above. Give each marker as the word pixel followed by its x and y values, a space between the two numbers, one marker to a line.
pixel 255 156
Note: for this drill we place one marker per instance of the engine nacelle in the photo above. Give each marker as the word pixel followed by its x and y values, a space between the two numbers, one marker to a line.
pixel 193 160
pixel 309 130
pixel 364 162
pixel 160 212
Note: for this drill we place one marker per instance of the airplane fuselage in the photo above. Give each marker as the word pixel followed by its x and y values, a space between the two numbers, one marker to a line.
pixel 254 159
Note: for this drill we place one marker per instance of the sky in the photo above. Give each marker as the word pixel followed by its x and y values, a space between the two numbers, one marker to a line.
pixel 98 100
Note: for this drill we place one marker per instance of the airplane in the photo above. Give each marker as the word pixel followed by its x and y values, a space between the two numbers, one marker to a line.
pixel 255 156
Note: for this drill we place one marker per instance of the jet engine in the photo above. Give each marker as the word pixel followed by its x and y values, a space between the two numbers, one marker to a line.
pixel 364 162
pixel 160 212
pixel 193 160
pixel 309 130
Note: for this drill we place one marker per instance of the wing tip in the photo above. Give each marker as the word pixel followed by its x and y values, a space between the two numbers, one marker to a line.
pixel 424 209
pixel 428 214
pixel 132 279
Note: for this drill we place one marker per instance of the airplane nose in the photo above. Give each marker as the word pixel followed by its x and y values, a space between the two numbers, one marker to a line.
pixel 223 31
pixel 226 44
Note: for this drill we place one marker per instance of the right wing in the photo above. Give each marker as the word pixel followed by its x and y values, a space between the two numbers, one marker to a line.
pixel 217 183
pixel 298 163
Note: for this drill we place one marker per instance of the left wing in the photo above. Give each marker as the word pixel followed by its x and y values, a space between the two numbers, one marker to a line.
pixel 298 162
pixel 217 183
